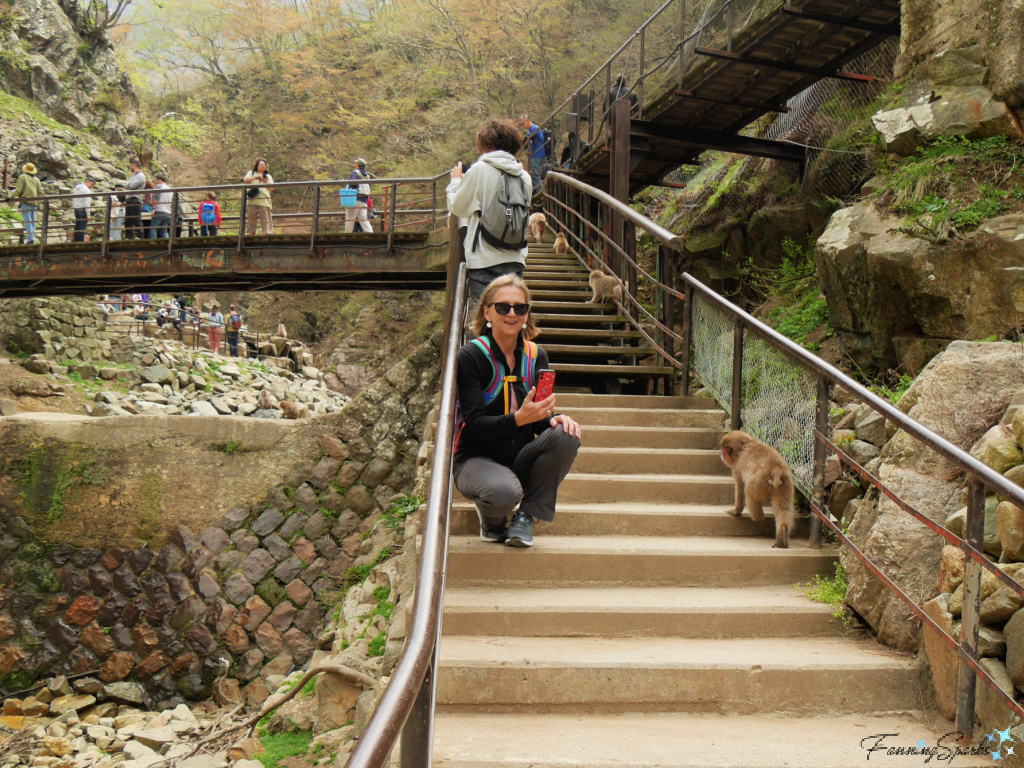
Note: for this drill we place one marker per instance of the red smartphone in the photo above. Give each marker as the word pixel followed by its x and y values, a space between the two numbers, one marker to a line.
pixel 545 385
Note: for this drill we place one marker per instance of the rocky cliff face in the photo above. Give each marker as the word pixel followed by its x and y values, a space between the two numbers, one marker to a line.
pixel 74 80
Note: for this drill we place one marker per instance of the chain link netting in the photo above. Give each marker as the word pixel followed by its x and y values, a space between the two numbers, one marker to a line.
pixel 779 397
pixel 828 120
pixel 711 349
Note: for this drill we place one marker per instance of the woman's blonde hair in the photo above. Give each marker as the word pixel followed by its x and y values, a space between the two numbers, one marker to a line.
pixel 530 330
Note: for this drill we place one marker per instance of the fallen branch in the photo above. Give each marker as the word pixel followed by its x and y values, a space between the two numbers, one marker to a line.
pixel 272 703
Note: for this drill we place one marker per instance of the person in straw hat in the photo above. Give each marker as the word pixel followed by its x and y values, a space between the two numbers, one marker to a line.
pixel 27 188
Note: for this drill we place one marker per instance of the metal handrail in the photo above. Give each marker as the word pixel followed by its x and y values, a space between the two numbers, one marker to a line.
pixel 980 476
pixel 243 185
pixel 407 707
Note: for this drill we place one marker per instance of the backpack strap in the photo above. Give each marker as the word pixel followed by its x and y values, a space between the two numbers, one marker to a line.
pixel 529 364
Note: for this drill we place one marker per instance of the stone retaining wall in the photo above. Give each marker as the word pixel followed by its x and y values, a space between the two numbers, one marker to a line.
pixel 249 594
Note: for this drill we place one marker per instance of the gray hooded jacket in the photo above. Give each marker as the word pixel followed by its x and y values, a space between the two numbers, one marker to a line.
pixel 466 198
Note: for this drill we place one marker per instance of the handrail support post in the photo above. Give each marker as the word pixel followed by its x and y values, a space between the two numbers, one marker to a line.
pixel 818 480
pixel 315 225
pixel 974 535
pixel 687 338
pixel 736 419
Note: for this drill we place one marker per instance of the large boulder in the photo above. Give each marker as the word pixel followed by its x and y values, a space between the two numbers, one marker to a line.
pixel 885 289
pixel 953 396
pixel 64 73
pixel 944 111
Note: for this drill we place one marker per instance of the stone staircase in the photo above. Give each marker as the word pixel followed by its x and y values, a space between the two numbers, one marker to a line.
pixel 647 627
pixel 587 344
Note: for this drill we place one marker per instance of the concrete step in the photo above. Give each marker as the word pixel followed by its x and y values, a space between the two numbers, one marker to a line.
pixel 779 676
pixel 641 461
pixel 555 272
pixel 712 418
pixel 670 740
pixel 574 306
pixel 555 294
pixel 647 402
pixel 597 436
pixel 643 487
pixel 634 519
pixel 695 612
pixel 618 371
pixel 580 287
pixel 708 561
pixel 544 319
pixel 607 351
pixel 591 336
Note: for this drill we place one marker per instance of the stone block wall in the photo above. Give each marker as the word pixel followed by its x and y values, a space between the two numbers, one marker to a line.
pixel 249 595
pixel 60 328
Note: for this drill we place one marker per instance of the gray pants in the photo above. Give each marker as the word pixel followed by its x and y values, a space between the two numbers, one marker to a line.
pixel 534 478
pixel 479 279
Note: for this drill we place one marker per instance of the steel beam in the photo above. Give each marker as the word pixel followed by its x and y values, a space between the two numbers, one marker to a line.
pixel 691 96
pixel 752 61
pixel 840 21
pixel 725 142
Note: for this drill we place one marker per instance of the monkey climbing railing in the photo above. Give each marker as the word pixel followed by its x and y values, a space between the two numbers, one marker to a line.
pixel 781 393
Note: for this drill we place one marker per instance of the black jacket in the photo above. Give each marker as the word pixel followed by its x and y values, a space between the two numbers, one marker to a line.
pixel 487 430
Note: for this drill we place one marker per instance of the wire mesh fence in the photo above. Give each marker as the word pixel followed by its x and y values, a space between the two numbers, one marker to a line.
pixel 778 406
pixel 827 119
pixel 711 350
pixel 778 396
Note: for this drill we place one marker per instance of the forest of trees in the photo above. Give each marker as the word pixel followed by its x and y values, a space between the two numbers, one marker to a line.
pixel 311 84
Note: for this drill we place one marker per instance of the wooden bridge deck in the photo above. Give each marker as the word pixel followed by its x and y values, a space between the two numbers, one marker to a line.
pixel 415 261
pixel 772 59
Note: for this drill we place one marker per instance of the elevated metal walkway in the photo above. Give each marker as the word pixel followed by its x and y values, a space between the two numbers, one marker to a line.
pixel 310 250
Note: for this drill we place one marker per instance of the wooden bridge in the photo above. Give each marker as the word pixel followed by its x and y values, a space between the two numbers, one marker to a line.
pixel 697 91
pixel 310 250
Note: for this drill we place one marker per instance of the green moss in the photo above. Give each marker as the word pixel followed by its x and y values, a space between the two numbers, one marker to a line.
pixel 376 646
pixel 151 492
pixel 15 680
pixel 280 746
pixel 271 591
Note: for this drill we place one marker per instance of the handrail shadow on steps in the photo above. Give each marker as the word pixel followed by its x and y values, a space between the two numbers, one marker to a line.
pixel 406 708
pixel 739 359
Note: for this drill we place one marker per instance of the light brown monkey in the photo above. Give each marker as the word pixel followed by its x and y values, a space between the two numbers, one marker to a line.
pixel 561 244
pixel 761 475
pixel 535 227
pixel 604 287
pixel 282 331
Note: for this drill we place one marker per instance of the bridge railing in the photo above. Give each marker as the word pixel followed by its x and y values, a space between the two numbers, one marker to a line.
pixel 152 319
pixel 319 209
pixel 780 393
pixel 657 57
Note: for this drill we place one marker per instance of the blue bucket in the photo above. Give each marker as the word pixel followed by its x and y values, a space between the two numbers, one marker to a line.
pixel 348 198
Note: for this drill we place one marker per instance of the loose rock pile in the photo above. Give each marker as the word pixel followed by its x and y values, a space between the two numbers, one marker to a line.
pixel 85 723
pixel 171 380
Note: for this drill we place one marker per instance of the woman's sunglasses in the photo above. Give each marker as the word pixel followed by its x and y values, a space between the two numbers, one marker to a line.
pixel 503 308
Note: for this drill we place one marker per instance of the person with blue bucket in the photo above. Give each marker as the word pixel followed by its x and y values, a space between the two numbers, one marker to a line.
pixel 354 201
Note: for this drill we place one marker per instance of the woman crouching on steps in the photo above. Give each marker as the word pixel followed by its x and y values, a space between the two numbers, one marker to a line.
pixel 509 449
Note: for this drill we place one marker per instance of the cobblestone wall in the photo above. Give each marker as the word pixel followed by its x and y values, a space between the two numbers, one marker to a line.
pixel 250 593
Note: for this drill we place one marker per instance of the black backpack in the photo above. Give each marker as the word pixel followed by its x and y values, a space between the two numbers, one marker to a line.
pixel 505 216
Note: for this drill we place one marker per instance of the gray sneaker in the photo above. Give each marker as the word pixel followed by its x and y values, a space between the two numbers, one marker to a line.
pixel 520 531
pixel 493 532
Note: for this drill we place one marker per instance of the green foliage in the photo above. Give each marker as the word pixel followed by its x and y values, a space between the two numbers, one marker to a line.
pixel 357 573
pixel 229 447
pixel 895 393
pixel 796 305
pixel 400 509
pixel 830 591
pixel 953 185
pixel 280 746
pixel 377 645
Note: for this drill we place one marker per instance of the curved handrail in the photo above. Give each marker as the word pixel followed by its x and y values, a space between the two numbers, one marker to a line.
pixel 657 231
pixel 409 680
pixel 809 360
pixel 980 476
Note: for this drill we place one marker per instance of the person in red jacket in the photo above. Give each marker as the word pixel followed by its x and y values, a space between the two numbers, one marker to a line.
pixel 209 215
